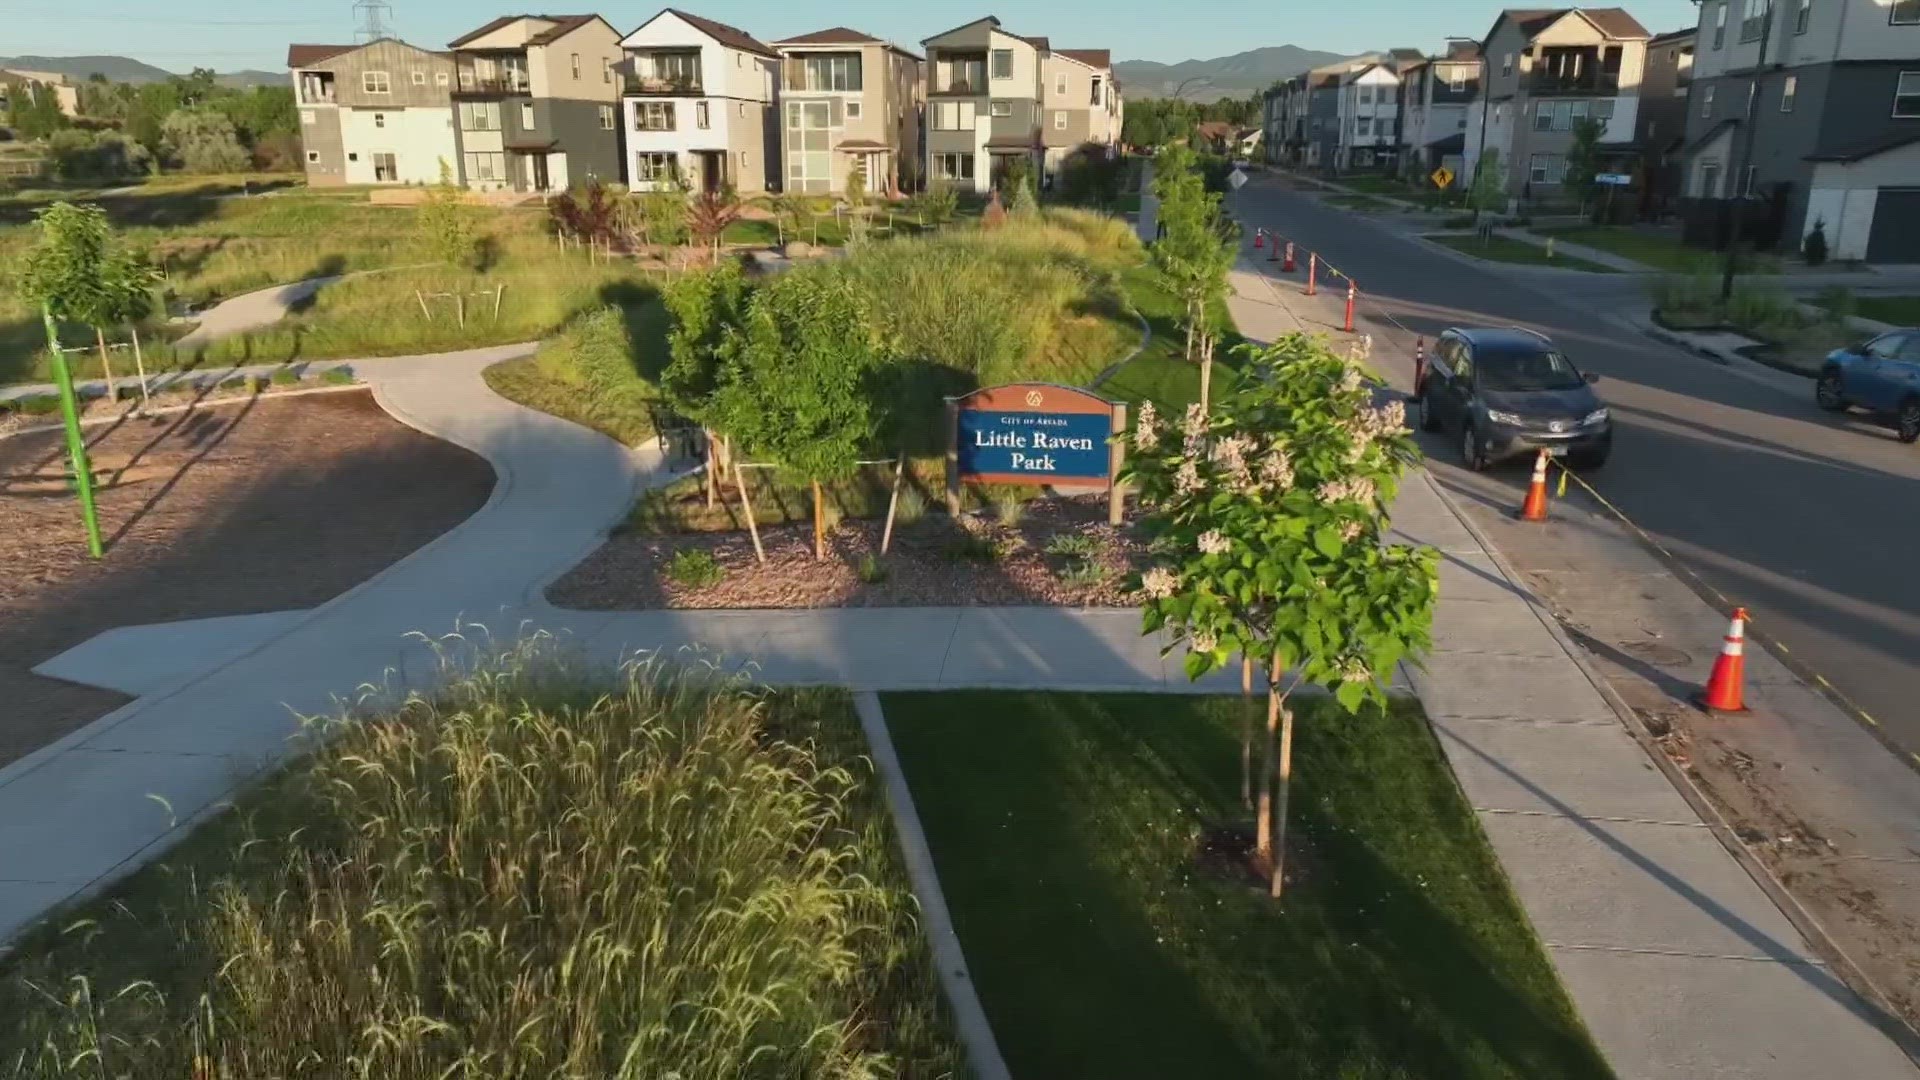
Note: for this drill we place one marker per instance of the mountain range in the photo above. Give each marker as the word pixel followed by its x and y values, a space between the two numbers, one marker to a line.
pixel 1221 77
pixel 128 70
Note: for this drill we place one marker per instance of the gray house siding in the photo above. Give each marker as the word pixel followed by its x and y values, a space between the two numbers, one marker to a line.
pixel 592 151
pixel 322 138
pixel 1323 110
pixel 949 142
pixel 1020 125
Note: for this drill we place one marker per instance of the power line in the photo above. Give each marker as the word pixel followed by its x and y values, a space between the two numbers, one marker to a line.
pixel 237 23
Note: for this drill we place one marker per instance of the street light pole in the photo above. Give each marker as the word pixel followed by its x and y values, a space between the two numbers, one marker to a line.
pixel 1751 124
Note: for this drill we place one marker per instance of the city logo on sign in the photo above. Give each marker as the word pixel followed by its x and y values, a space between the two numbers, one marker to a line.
pixel 1557 426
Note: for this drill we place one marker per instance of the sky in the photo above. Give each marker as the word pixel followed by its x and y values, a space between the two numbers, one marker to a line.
pixel 227 35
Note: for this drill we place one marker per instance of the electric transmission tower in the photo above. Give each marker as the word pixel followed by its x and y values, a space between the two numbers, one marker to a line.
pixel 372 20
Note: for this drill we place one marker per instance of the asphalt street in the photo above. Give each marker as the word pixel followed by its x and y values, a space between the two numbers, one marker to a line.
pixel 1808 519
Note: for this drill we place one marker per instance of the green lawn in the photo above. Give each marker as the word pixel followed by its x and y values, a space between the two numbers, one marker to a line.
pixel 523 381
pixel 1358 202
pixel 1656 250
pixel 1898 310
pixel 1161 373
pixel 1507 250
pixel 1065 828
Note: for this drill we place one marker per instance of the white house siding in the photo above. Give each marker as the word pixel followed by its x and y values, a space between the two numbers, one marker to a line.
pixel 685 138
pixel 420 140
pixel 1844 196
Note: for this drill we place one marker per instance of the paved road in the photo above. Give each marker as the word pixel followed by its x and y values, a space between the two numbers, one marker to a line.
pixel 1808 519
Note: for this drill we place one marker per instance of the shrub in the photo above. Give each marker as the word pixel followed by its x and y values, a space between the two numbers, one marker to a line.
pixel 911 507
pixel 337 376
pixel 1074 546
pixel 936 205
pixel 1814 249
pixel 1693 298
pixel 286 377
pixel 1084 575
pixel 871 570
pixel 1755 307
pixel 43 405
pixel 1009 508
pixel 970 548
pixel 1839 303
pixel 596 356
pixel 694 568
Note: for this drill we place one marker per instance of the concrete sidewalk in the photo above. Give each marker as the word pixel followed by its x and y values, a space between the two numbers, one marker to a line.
pixel 1678 960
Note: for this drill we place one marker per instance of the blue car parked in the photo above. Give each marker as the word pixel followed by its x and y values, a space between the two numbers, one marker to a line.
pixel 1881 376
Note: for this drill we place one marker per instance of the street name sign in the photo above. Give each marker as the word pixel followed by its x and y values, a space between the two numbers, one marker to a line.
pixel 1614 179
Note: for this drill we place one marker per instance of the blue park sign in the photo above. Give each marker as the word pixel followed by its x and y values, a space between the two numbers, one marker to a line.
pixel 1034 433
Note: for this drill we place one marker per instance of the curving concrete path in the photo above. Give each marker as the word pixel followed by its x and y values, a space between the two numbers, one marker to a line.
pixel 251 311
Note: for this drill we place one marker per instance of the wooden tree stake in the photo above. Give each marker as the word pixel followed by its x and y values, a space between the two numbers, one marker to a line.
pixel 424 309
pixel 893 502
pixel 753 529
pixel 819 524
pixel 140 365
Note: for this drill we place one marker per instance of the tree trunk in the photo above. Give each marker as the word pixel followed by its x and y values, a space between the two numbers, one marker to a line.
pixel 819 524
pixel 713 471
pixel 1263 819
pixel 140 365
pixel 1246 730
pixel 106 366
pixel 1286 782
pixel 1206 371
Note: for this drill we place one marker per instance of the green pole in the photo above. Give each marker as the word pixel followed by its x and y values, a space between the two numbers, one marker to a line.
pixel 76 445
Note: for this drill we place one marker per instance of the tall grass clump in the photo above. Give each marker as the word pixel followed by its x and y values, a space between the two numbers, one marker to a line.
pixel 536 874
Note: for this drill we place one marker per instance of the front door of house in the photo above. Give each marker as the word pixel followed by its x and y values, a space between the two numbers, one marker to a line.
pixel 541 180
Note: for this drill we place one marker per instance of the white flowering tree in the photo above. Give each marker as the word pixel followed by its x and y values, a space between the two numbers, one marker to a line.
pixel 1269 513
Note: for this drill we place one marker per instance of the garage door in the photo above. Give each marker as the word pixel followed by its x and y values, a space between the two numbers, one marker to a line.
pixel 1896 227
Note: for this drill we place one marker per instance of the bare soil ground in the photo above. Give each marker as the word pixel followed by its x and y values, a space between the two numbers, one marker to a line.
pixel 253 506
pixel 932 561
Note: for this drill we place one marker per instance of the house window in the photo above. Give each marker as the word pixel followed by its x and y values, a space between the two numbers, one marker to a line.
pixel 419 77
pixel 606 118
pixel 479 116
pixel 306 116
pixel 653 168
pixel 743 160
pixel 1547 169
pixel 313 157
pixel 1753 23
pixel 1906 94
pixel 740 110
pixel 1904 13
pixel 1363 128
pixel 1803 17
pixel 1543 116
pixel 487 167
pixel 1706 102
pixel 385 170
pixel 702 119
pixel 1002 108
pixel 606 69
pixel 1060 84
pixel 1002 65
pixel 1457 79
pixel 809 149
pixel 953 116
pixel 1720 23
pixel 1788 89
pixel 379 120
pixel 440 78
pixel 526 116
pixel 1506 65
pixel 853 110
pixel 576 67
pixel 953 166
pixel 1059 121
pixel 375 82
pixel 838 71
pixel 1709 180
pixel 653 116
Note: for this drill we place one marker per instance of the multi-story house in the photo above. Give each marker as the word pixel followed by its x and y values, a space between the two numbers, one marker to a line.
pixel 700 98
pixel 376 113
pixel 1543 73
pixel 852 106
pixel 1835 120
pixel 984 97
pixel 1660 122
pixel 536 102
pixel 1434 95
pixel 1367 105
pixel 1081 110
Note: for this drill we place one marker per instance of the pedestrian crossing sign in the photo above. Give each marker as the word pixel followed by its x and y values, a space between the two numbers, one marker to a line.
pixel 1442 177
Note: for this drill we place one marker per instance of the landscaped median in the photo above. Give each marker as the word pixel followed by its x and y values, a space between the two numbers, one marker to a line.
pixel 541 872
pixel 1496 248
pixel 1091 851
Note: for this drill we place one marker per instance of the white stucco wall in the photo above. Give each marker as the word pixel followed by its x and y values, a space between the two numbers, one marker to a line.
pixel 685 137
pixel 418 139
pixel 724 72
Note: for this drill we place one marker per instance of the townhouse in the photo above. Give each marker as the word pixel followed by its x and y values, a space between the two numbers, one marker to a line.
pixel 852 106
pixel 699 101
pixel 1660 123
pixel 1367 115
pixel 1834 112
pixel 1435 93
pixel 536 103
pixel 1544 71
pixel 378 113
pixel 995 97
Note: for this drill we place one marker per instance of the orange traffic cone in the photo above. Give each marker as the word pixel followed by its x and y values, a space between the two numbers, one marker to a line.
pixel 1729 670
pixel 1419 364
pixel 1535 508
pixel 1259 238
pixel 1287 267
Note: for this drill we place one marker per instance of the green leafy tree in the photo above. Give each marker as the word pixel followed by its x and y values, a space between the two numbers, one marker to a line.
pixel 148 108
pixel 203 141
pixel 937 204
pixel 704 306
pixel 1583 158
pixel 73 272
pixel 128 283
pixel 34 110
pixel 790 208
pixel 1489 191
pixel 446 225
pixel 794 386
pixel 1195 250
pixel 663 218
pixel 1272 513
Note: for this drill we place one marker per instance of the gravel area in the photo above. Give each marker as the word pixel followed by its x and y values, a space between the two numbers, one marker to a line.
pixel 933 562
pixel 257 505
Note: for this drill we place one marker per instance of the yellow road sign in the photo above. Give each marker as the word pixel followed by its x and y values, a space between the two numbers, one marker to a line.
pixel 1442 177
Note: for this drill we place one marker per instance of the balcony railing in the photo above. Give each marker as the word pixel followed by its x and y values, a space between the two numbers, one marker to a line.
pixel 677 86
pixel 495 84
pixel 962 88
pixel 1542 82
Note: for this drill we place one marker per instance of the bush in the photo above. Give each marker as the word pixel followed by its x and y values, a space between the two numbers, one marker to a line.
pixel 551 872
pixel 871 570
pixel 1756 307
pixel 970 548
pixel 337 376
pixel 1814 249
pixel 1694 298
pixel 1839 304
pixel 911 507
pixel 1074 546
pixel 286 377
pixel 694 568
pixel 596 355
pixel 44 405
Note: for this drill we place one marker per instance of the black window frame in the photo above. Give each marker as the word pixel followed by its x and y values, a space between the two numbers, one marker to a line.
pixel 1912 9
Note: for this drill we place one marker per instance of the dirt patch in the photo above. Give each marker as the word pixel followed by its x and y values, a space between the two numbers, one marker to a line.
pixel 256 506
pixel 1225 850
pixel 933 561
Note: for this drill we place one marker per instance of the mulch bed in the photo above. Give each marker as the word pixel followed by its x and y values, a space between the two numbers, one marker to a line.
pixel 933 562
pixel 258 505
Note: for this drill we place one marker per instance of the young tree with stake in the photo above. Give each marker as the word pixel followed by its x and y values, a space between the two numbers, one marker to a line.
pixel 1272 507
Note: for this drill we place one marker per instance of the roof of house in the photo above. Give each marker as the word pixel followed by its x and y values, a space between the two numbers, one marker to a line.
pixel 731 36
pixel 1871 148
pixel 1040 43
pixel 1406 54
pixel 1216 129
pixel 1093 58
pixel 1685 33
pixel 1462 50
pixel 983 19
pixel 841 35
pixel 1613 22
pixel 1713 133
pixel 562 26
pixel 299 56
pixel 852 145
pixel 1455 143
